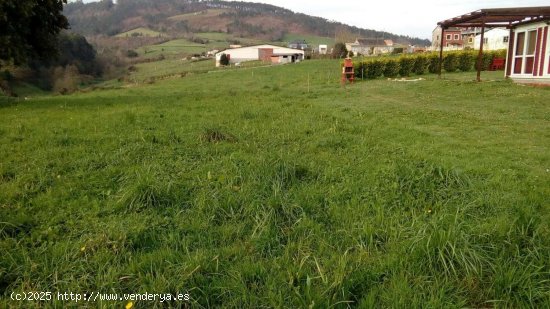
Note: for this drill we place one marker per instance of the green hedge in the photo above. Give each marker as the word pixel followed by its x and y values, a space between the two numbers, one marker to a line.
pixel 391 69
pixel 406 65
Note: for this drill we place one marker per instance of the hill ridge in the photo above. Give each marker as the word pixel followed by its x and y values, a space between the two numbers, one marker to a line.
pixel 245 19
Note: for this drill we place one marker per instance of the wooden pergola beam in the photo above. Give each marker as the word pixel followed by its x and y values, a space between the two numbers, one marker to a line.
pixel 480 55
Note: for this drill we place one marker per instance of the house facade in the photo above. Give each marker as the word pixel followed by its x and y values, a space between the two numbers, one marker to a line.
pixel 370 46
pixel 528 57
pixel 469 37
pixel 452 39
pixel 494 39
pixel 267 53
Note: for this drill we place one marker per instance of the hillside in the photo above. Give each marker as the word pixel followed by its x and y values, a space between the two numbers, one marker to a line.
pixel 177 17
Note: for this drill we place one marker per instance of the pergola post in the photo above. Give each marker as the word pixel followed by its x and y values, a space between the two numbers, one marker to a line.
pixel 510 55
pixel 441 50
pixel 480 55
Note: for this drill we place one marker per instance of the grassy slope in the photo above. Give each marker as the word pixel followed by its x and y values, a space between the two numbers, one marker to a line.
pixel 245 188
pixel 172 49
pixel 310 39
pixel 142 31
pixel 199 15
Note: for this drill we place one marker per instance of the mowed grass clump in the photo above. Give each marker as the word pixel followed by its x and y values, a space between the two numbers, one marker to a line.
pixel 278 187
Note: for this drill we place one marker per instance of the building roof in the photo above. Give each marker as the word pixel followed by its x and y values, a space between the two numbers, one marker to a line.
pixel 277 49
pixel 374 42
pixel 502 17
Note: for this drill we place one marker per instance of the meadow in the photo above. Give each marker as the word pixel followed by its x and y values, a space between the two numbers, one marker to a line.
pixel 278 187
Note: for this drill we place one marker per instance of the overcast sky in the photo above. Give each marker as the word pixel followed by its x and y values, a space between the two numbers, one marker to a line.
pixel 407 17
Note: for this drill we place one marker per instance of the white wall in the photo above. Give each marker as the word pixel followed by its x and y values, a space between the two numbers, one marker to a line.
pixel 545 77
pixel 251 53
pixel 495 39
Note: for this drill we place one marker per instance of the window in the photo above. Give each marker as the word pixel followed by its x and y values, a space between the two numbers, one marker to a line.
pixel 518 59
pixel 485 40
pixel 448 37
pixel 505 39
pixel 457 37
pixel 524 58
pixel 470 40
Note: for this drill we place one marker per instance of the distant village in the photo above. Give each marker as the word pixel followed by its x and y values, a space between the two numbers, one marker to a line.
pixel 454 39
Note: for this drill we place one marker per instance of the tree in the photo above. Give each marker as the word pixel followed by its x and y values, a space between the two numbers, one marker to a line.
pixel 340 50
pixel 28 28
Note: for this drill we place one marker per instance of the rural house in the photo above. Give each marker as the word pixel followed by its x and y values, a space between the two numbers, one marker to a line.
pixel 298 44
pixel 469 37
pixel 370 46
pixel 451 40
pixel 267 53
pixel 494 39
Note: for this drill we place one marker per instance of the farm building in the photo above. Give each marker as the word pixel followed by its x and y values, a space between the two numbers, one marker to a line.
pixel 267 53
pixel 323 49
pixel 528 57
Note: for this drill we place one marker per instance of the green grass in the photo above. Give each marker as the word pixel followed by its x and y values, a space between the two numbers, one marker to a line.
pixel 214 36
pixel 150 72
pixel 141 32
pixel 198 15
pixel 278 187
pixel 172 49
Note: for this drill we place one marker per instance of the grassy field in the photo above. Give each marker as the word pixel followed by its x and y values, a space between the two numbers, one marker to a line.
pixel 140 32
pixel 175 68
pixel 172 49
pixel 199 15
pixel 278 187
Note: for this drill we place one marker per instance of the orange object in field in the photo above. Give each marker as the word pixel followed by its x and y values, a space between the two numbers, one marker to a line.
pixel 348 73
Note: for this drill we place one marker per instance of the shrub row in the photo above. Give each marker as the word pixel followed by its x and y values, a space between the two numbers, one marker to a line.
pixel 421 63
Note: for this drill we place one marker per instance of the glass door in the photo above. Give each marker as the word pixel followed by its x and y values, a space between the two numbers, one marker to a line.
pixel 524 57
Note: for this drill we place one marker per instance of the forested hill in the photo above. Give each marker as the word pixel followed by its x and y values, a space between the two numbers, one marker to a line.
pixel 176 17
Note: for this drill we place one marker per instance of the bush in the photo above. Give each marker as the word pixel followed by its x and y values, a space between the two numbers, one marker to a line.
pixel 224 60
pixel 465 61
pixel 420 65
pixel 131 54
pixel 6 75
pixel 450 62
pixel 391 68
pixel 66 79
pixel 359 69
pixel 405 66
pixel 433 63
pixel 339 51
pixel 374 68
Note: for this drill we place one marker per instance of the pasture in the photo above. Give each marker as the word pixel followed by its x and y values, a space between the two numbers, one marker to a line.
pixel 278 187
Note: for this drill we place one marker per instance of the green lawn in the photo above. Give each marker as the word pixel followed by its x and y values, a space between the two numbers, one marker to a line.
pixel 278 187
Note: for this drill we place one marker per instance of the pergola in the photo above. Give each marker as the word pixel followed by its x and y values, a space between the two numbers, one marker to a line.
pixel 492 18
